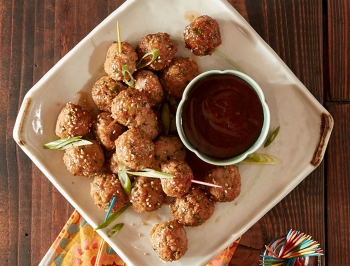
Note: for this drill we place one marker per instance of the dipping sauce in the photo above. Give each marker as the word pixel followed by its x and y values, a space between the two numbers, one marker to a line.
pixel 222 116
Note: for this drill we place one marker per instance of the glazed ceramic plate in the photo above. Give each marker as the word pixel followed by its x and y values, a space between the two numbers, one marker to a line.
pixel 305 124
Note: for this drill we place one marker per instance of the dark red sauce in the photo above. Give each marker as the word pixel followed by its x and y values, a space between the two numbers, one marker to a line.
pixel 222 116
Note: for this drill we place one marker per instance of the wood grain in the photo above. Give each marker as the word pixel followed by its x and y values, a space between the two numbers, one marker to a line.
pixel 294 30
pixel 338 186
pixel 338 16
pixel 35 35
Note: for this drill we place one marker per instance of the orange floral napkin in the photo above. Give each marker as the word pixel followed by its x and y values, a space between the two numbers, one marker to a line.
pixel 79 244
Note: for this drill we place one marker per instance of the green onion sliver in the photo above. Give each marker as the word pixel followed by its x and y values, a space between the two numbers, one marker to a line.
pixel 65 143
pixel 111 218
pixel 154 54
pixel 272 137
pixel 125 181
pixel 151 173
pixel 261 158
pixel 115 230
pixel 125 72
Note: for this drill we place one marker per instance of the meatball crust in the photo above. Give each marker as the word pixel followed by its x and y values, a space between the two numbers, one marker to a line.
pixel 161 41
pixel 72 121
pixel 146 194
pixel 181 182
pixel 175 77
pixel 104 187
pixel 112 163
pixel 169 240
pixel 104 91
pixel 115 61
pixel 202 36
pixel 148 82
pixel 193 208
pixel 134 149
pixel 168 148
pixel 132 109
pixel 228 178
pixel 84 160
pixel 106 131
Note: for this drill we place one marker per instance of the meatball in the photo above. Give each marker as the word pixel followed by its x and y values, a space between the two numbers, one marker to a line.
pixel 104 187
pixel 228 178
pixel 115 61
pixel 134 149
pixel 169 240
pixel 161 41
pixel 104 91
pixel 181 182
pixel 106 131
pixel 131 108
pixel 72 121
pixel 175 77
pixel 84 160
pixel 148 82
pixel 202 36
pixel 168 148
pixel 112 163
pixel 146 194
pixel 192 209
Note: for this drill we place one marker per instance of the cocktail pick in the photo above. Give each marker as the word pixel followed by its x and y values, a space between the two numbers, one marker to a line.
pixel 290 250
pixel 98 257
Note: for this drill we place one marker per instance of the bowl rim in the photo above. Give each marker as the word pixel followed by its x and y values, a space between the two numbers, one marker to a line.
pixel 257 144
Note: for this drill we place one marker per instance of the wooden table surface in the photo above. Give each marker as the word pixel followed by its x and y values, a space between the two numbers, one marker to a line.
pixel 312 38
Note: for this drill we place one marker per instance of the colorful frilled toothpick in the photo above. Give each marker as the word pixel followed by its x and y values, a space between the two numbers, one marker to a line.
pixel 291 250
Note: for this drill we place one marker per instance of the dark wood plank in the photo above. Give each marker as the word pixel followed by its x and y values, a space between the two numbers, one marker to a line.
pixel 338 15
pixel 338 186
pixel 294 30
pixel 34 36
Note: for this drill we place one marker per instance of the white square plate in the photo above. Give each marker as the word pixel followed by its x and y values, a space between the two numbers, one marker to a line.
pixel 292 107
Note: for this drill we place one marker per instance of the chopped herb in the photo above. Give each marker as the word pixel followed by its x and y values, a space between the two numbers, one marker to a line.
pixel 127 76
pixel 115 230
pixel 151 173
pixel 272 137
pixel 154 54
pixel 65 143
pixel 125 181
pixel 261 158
pixel 112 217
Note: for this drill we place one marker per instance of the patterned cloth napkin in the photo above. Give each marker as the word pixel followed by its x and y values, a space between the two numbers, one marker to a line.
pixel 79 244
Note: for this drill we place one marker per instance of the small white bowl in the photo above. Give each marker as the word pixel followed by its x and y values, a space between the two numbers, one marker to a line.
pixel 265 127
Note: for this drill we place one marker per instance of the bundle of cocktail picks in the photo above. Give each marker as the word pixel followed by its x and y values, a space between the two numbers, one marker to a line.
pixel 290 250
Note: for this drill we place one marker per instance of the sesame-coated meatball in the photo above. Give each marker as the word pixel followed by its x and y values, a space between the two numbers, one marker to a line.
pixel 104 91
pixel 106 131
pixel 148 82
pixel 132 109
pixel 72 121
pixel 175 77
pixel 104 187
pixel 84 160
pixel 134 149
pixel 161 41
pixel 148 123
pixel 115 61
pixel 169 240
pixel 228 178
pixel 181 182
pixel 193 208
pixel 112 163
pixel 202 36
pixel 146 194
pixel 168 148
